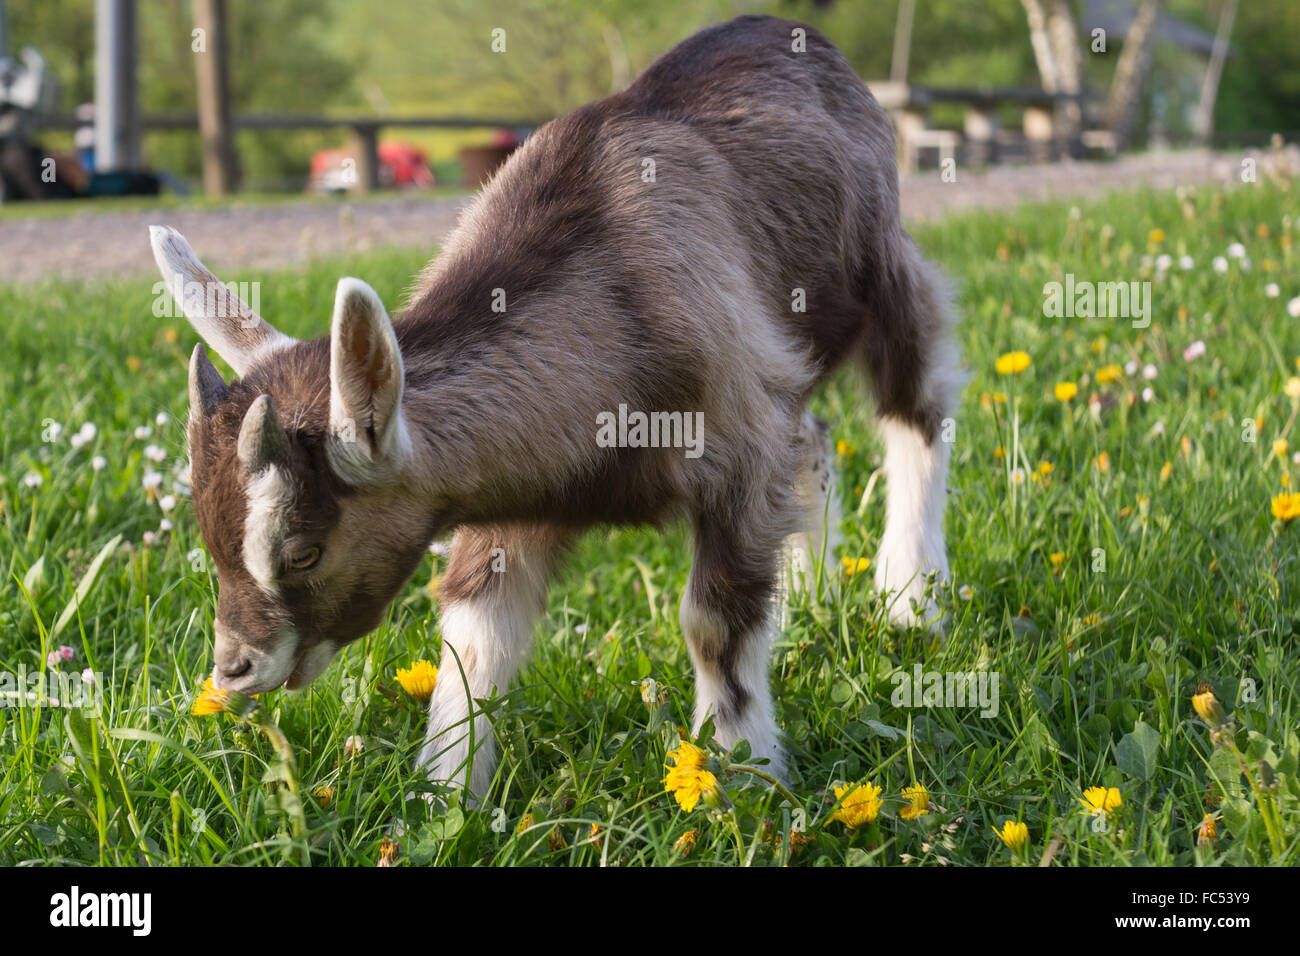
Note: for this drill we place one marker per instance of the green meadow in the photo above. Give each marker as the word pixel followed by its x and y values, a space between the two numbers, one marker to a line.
pixel 1120 535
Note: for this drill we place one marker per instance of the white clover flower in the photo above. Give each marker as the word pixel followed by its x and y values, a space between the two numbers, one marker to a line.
pixel 167 503
pixel 154 453
pixel 143 432
pixel 353 746
pixel 32 479
pixel 1147 394
pixel 1186 263
pixel 88 431
pixel 180 489
pixel 161 419
pixel 1220 264
pixel 149 538
pixel 152 479
pixel 1149 371
pixel 76 441
pixel 1130 368
pixel 99 463
pixel 164 526
pixel 1158 428
pixel 1236 251
pixel 88 676
pixel 580 629
pixel 1272 291
pixel 1164 261
pixel 1293 308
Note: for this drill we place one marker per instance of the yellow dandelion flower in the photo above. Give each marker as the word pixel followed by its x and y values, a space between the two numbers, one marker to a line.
pixel 1100 800
pixel 1045 468
pixel 1292 388
pixel 555 840
pixel 685 844
pixel 1012 363
pixel 419 680
pixel 858 804
pixel 1103 462
pixel 854 566
pixel 525 822
pixel 210 700
pixel 1109 373
pixel 687 780
pixel 999 453
pixel 1208 831
pixel 388 851
pixel 1207 707
pixel 844 449
pixel 170 335
pixel 1280 447
pixel 1065 391
pixel 133 363
pixel 1166 471
pixel 1014 834
pixel 1057 558
pixel 432 587
pixel 1286 507
pixel 324 795
pixel 918 802
pixel 1156 235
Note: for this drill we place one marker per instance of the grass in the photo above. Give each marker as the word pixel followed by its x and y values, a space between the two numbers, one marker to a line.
pixel 1096 667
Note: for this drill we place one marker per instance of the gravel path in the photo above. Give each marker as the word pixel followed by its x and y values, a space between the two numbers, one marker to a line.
pixel 116 243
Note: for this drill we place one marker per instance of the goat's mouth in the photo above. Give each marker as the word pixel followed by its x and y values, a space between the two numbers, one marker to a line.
pixel 310 663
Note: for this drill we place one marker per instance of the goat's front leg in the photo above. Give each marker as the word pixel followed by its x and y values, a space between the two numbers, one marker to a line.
pixel 492 593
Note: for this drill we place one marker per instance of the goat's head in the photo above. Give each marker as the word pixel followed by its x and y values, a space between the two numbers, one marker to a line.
pixel 296 468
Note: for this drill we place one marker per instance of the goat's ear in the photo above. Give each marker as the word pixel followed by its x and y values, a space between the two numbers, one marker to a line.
pixel 226 322
pixel 207 387
pixel 262 441
pixel 368 433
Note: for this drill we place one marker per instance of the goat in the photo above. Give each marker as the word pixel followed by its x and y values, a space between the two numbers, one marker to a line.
pixel 713 241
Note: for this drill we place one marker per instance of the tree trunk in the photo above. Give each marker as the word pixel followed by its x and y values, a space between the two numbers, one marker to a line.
pixel 1041 41
pixel 1203 124
pixel 1126 86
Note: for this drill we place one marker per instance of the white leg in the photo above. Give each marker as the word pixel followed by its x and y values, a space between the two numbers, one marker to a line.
pixel 916 473
pixel 488 624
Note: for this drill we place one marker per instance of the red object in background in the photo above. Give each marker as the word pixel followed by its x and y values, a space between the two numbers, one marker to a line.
pixel 401 166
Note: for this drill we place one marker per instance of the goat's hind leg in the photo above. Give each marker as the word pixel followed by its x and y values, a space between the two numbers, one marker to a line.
pixel 726 617
pixel 913 366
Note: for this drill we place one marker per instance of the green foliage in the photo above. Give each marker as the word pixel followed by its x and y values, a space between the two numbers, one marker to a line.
pixel 1096 668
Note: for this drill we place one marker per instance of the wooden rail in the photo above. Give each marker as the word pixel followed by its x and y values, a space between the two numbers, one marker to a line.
pixel 364 130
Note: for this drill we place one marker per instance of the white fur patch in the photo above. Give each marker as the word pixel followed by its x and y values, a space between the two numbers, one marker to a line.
pixel 270 496
pixel 756 722
pixel 490 638
pixel 912 545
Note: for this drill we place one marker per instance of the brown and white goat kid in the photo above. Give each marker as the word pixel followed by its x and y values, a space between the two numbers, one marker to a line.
pixel 714 240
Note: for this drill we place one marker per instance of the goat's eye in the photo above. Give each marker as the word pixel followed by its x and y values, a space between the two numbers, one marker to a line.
pixel 303 559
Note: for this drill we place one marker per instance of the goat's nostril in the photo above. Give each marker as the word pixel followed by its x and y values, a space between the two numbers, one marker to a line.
pixel 240 668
